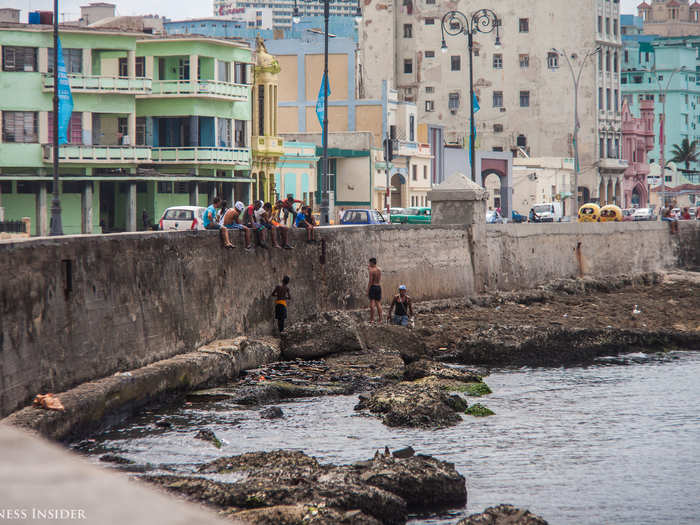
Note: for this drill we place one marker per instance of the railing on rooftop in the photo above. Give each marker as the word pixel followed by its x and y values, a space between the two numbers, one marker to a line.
pixel 207 88
pixel 101 84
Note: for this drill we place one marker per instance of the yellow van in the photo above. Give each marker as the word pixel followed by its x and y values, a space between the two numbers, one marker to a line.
pixel 589 213
pixel 610 213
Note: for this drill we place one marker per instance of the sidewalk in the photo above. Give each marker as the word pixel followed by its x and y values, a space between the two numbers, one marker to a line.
pixel 41 482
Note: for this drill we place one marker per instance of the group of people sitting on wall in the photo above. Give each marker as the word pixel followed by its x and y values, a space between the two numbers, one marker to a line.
pixel 260 221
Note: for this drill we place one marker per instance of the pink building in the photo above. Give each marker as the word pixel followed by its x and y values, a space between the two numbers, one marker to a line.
pixel 637 141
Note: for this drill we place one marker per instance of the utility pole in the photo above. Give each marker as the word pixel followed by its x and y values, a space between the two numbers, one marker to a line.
pixel 56 227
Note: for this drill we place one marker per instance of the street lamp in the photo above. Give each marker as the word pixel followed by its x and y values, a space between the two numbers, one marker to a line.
pixel 56 226
pixel 325 177
pixel 576 77
pixel 662 122
pixel 457 23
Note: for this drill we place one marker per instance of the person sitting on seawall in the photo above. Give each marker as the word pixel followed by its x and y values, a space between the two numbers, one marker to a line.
pixel 250 221
pixel 667 216
pixel 685 214
pixel 232 221
pixel 210 223
pixel 306 220
pixel 279 232
pixel 401 307
pixel 288 207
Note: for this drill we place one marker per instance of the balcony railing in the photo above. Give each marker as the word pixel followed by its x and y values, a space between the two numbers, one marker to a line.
pixel 98 154
pixel 206 88
pixel 103 84
pixel 201 155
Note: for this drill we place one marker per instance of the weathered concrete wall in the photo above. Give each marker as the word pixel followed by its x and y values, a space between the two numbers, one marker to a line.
pixel 78 308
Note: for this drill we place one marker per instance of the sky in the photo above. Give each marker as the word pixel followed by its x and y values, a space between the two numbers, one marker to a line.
pixel 171 8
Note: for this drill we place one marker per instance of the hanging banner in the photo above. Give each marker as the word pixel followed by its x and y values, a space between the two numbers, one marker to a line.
pixel 476 108
pixel 65 98
pixel 321 99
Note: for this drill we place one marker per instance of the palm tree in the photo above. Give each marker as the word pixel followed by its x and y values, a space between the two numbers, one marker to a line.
pixel 685 153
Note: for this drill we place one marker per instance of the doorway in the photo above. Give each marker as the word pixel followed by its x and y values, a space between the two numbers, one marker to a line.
pixel 107 206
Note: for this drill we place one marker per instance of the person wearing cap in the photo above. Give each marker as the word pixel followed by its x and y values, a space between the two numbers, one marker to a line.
pixel 401 307
pixel 232 221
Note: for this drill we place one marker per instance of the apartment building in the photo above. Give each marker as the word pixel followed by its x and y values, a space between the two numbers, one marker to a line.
pixel 670 17
pixel 156 122
pixel 282 10
pixel 524 87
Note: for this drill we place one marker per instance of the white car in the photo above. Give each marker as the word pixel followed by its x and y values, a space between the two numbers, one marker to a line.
pixel 643 214
pixel 182 218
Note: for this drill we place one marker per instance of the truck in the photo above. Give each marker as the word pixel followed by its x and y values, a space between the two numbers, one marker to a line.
pixel 548 211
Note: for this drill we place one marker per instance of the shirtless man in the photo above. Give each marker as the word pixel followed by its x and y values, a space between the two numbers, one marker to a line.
pixel 232 219
pixel 374 290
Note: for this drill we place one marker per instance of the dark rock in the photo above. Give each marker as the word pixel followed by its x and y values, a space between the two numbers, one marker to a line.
pixel 119 460
pixel 207 435
pixel 163 424
pixel 411 404
pixel 404 453
pixel 425 368
pixel 503 515
pixel 407 343
pixel 325 335
pixel 283 487
pixel 456 403
pixel 271 413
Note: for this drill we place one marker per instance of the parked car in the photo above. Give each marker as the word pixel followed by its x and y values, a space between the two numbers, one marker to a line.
pixel 414 215
pixel 589 212
pixel 644 214
pixel 628 215
pixel 362 217
pixel 182 218
pixel 396 211
pixel 518 217
pixel 493 217
pixel 610 213
pixel 548 211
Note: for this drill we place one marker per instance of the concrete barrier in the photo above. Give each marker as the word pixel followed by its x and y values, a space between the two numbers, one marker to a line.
pixel 78 308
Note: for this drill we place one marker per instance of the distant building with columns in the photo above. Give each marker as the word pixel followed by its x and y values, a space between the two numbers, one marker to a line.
pixel 637 142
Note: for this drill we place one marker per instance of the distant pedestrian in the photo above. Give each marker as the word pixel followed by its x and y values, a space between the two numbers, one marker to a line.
pixel 374 290
pixel 401 307
pixel 145 220
pixel 281 295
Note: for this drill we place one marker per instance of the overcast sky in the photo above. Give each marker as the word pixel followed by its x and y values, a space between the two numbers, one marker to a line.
pixel 172 9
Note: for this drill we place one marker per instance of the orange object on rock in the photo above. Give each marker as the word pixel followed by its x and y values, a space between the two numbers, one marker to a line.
pixel 49 402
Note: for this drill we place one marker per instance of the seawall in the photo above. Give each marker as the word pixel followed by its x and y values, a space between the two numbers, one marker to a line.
pixel 78 308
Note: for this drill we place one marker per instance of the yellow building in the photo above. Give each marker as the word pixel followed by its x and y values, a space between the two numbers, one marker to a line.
pixel 267 146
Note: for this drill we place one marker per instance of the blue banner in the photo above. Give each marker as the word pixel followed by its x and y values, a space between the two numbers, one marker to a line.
pixel 476 108
pixel 321 99
pixel 65 98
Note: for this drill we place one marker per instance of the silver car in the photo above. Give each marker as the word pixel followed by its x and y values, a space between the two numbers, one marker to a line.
pixel 182 218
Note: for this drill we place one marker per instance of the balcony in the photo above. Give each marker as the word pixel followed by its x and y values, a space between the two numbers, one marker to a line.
pixel 201 155
pixel 271 146
pixel 102 84
pixel 78 154
pixel 200 88
pixel 613 165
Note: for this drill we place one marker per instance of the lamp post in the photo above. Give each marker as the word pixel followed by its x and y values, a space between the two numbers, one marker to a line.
pixel 56 227
pixel 576 77
pixel 325 177
pixel 457 23
pixel 662 121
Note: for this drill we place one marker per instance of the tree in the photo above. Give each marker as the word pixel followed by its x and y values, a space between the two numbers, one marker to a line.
pixel 685 153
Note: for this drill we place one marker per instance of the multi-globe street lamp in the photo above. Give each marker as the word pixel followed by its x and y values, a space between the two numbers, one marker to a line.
pixel 457 23
pixel 325 177
pixel 576 77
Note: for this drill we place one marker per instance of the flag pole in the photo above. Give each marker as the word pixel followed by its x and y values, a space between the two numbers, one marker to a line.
pixel 56 225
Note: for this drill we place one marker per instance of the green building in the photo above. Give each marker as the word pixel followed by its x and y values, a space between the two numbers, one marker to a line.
pixel 156 122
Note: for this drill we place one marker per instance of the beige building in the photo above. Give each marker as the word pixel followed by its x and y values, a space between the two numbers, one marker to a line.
pixel 670 17
pixel 538 180
pixel 525 90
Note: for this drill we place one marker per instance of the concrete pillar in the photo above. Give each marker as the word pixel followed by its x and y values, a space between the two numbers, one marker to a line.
pixel 43 127
pixel 194 131
pixel 131 63
pixel 194 67
pixel 87 128
pixel 194 193
pixel 86 206
pixel 87 61
pixel 42 216
pixel 131 207
pixel 131 123
pixel 211 192
pixel 43 59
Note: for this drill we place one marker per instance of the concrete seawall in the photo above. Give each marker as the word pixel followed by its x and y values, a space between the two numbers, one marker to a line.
pixel 79 308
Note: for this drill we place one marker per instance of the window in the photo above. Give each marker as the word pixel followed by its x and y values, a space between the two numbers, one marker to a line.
pixel 140 131
pixel 224 132
pixel 74 133
pixel 498 99
pixel 123 67
pixel 524 25
pixel 497 61
pixel 429 105
pixel 408 31
pixel 524 99
pixel 553 60
pixel 429 89
pixel 616 104
pixel 498 128
pixel 165 187
pixel 412 128
pixel 600 24
pixel 455 63
pixel 414 172
pixel 521 141
pixel 524 60
pixel 25 186
pixel 453 102
pixel 261 109
pixel 425 172
pixel 607 26
pixel 240 134
pixel 141 67
pixel 430 54
pixel 223 71
pixel 18 58
pixel 608 99
pixel 429 21
pixel 408 66
pixel 20 126
pixel 72 58
pixel 430 2
pixel 240 73
pixel 181 187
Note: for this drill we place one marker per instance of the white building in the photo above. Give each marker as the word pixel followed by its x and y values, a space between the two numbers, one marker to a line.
pixel 283 9
pixel 525 89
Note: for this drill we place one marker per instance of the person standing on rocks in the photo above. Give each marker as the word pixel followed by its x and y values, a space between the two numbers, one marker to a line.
pixel 374 290
pixel 282 295
pixel 402 308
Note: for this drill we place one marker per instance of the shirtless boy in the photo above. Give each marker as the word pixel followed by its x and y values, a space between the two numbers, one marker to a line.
pixel 374 290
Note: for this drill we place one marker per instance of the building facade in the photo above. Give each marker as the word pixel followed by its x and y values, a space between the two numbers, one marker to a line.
pixel 156 122
pixel 637 141
pixel 282 10
pixel 670 17
pixel 523 87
